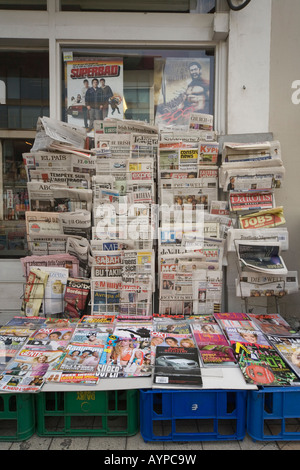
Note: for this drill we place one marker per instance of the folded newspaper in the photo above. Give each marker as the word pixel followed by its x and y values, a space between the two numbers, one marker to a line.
pixel 261 257
pixel 59 135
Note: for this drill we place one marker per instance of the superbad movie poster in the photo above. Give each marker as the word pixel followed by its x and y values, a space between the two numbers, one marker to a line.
pixel 79 75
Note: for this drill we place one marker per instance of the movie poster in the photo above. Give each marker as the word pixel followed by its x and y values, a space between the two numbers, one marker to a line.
pixel 181 87
pixel 94 90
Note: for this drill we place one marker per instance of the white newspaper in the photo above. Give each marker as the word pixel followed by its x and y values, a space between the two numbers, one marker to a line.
pixel 267 153
pixel 280 235
pixel 207 292
pixel 239 179
pixel 253 284
pixel 51 131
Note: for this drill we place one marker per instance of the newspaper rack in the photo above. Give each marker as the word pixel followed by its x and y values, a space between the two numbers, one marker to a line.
pixel 55 302
pixel 263 290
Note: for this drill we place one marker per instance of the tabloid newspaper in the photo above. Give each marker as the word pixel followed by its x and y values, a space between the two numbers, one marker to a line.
pixel 264 218
pixel 251 201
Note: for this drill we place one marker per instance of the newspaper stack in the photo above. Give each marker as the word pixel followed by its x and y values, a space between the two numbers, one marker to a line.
pixel 123 217
pixel 250 175
pixel 193 223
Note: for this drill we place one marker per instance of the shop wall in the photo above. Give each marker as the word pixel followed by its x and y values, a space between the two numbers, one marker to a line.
pixel 285 124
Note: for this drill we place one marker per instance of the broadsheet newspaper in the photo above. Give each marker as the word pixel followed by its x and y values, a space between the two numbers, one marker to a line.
pixel 253 284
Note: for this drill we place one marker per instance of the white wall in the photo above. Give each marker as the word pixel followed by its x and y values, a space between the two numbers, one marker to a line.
pixel 285 124
pixel 248 68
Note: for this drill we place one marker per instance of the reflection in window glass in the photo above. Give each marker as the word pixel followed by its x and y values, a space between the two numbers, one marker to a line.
pixel 25 79
pixel 14 201
pixel 174 6
pixel 23 5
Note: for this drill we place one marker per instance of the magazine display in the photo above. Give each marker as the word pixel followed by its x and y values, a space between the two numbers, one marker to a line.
pixel 263 365
pixel 213 345
pixel 177 367
pixel 125 357
pixel 26 371
pixel 272 324
pixel 289 348
pixel 10 343
pixel 89 337
pixel 81 359
pixel 259 361
pixel 50 339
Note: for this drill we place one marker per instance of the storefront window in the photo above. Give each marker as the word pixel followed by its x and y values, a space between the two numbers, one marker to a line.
pixel 23 5
pixel 24 88
pixel 14 200
pixel 154 85
pixel 174 6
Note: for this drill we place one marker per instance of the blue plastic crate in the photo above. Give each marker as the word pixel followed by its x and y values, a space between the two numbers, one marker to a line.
pixel 273 414
pixel 192 415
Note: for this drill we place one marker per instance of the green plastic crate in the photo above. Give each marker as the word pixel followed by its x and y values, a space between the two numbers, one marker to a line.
pixel 17 416
pixel 87 413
